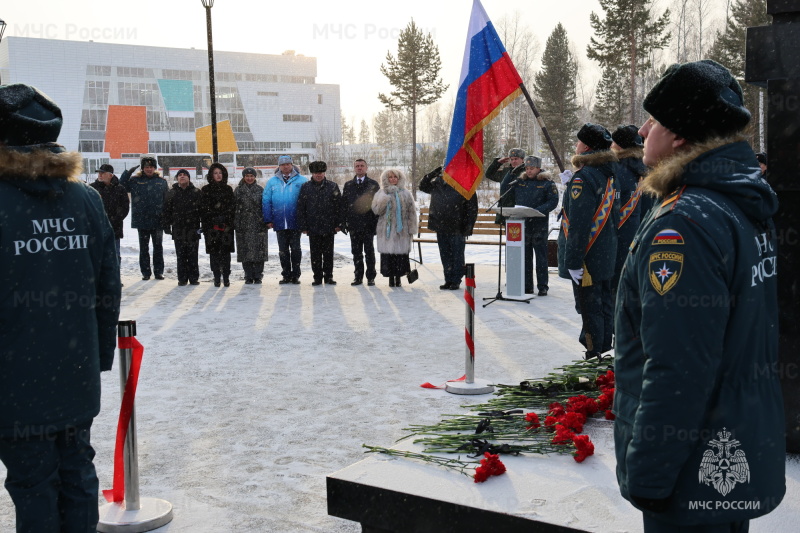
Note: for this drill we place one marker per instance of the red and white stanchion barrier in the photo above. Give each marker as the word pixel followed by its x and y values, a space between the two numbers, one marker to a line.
pixel 126 511
pixel 470 385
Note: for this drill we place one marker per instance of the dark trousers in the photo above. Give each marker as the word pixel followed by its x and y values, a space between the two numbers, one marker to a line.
pixel 594 305
pixel 451 252
pixel 362 247
pixel 220 264
pixel 52 481
pixel 186 251
pixel 289 252
pixel 536 243
pixel 253 269
pixel 157 236
pixel 321 256
pixel 656 526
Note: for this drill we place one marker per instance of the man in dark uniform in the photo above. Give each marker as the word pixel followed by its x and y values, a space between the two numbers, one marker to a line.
pixel 536 190
pixel 452 217
pixel 499 172
pixel 699 430
pixel 587 242
pixel 627 173
pixel 115 200
pixel 319 215
pixel 361 222
pixel 59 305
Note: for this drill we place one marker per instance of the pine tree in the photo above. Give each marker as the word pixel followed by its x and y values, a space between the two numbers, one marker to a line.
pixel 363 134
pixel 625 39
pixel 729 50
pixel 414 73
pixel 612 98
pixel 555 87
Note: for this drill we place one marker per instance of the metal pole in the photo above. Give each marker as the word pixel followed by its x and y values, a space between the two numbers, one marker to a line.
pixel 212 89
pixel 127 328
pixel 470 385
pixel 469 324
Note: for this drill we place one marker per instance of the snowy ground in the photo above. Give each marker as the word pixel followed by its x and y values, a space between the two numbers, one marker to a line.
pixel 250 395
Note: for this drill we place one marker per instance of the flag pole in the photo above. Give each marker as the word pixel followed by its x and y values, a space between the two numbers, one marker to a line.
pixel 541 125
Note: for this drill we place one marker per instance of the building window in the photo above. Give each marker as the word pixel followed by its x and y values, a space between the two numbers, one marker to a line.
pixel 259 146
pixel 312 144
pixel 98 70
pixel 93 120
pixel 297 118
pixel 173 74
pixel 319 98
pixel 134 72
pixel 96 93
pixel 146 94
pixel 171 147
pixel 181 124
pixel 90 146
pixel 267 93
pixel 297 79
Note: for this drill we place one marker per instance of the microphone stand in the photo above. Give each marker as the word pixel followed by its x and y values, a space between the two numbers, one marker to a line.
pixel 499 295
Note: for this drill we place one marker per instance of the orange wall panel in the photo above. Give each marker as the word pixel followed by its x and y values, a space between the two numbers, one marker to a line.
pixel 226 141
pixel 126 130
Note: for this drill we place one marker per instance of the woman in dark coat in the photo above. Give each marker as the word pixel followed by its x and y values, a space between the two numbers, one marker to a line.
pixel 251 230
pixel 219 211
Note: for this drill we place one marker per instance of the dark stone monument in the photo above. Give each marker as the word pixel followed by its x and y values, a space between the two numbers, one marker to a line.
pixel 773 61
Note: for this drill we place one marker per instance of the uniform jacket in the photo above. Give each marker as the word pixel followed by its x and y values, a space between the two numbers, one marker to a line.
pixel 319 209
pixel 251 230
pixel 280 200
pixel 626 178
pixel 541 195
pixel 115 202
pixel 59 293
pixel 147 198
pixel 449 212
pixel 181 215
pixel 384 205
pixel 218 215
pixel 357 205
pixel 697 343
pixel 582 197
pixel 499 173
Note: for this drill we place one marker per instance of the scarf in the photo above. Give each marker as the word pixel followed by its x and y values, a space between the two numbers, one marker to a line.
pixel 398 216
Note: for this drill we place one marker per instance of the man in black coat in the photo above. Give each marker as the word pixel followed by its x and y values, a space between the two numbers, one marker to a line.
pixel 319 216
pixel 360 221
pixel 115 200
pixel 452 217
pixel 181 219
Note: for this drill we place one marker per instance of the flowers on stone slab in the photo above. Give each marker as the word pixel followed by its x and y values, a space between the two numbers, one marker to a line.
pixel 491 465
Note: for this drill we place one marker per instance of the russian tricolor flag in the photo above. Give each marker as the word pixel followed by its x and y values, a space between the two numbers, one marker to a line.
pixel 489 82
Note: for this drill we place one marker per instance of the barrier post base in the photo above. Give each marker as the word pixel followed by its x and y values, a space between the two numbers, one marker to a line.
pixel 480 386
pixel 153 514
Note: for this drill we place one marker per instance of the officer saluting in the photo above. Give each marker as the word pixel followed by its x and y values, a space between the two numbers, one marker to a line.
pixel 587 242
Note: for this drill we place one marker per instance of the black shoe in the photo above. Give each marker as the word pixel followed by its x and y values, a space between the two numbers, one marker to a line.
pixel 295 281
pixel 391 281
pixel 357 282
pixel 227 283
pixel 454 287
pixel 397 282
pixel 542 292
pixel 216 283
pixel 445 287
pixel 159 276
pixel 284 281
pixel 182 283
pixel 330 281
pixel 248 281
pixel 370 282
pixel 195 282
pixel 257 281
pixel 316 282
pixel 145 278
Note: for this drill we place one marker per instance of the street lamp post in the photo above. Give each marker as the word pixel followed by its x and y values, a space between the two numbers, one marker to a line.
pixel 208 4
pixel 2 31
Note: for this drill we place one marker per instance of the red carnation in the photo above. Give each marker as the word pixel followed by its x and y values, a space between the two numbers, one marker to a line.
pixel 574 421
pixel 610 415
pixel 550 422
pixel 583 447
pixel 556 409
pixel 582 404
pixel 606 381
pixel 481 474
pixel 605 400
pixel 563 435
pixel 533 420
pixel 491 465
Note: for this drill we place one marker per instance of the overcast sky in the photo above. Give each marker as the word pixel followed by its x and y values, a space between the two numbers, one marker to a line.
pixel 350 39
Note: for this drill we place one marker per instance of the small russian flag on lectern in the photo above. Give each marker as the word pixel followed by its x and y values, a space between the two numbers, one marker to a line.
pixel 489 82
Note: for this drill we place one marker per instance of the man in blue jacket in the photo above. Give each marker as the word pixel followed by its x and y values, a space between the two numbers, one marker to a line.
pixel 534 189
pixel 148 190
pixel 59 305
pixel 280 213
pixel 699 432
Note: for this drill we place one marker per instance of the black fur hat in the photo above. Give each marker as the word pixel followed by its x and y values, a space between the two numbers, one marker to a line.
pixel 627 136
pixel 698 100
pixel 595 136
pixel 317 166
pixel 761 157
pixel 28 117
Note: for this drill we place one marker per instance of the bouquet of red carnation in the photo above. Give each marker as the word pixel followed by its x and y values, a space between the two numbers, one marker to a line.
pixel 491 465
